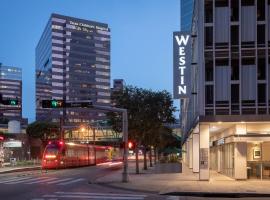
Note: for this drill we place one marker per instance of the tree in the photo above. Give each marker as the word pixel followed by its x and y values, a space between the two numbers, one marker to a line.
pixel 42 130
pixel 147 112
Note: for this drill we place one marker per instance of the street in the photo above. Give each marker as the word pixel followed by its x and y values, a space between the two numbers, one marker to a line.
pixel 76 183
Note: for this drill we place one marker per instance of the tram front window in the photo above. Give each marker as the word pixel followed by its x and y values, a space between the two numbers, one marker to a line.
pixel 51 152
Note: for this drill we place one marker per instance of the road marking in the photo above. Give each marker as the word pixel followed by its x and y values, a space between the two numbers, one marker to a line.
pixel 70 182
pixel 15 179
pixel 172 198
pixel 58 181
pixel 38 199
pixel 104 196
pixel 97 196
pixel 42 181
pixel 24 181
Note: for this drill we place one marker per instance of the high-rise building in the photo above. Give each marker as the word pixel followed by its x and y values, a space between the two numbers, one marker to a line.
pixel 10 88
pixel 186 14
pixel 73 64
pixel 226 119
pixel 118 84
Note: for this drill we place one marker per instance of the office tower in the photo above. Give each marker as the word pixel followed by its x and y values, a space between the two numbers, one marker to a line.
pixel 73 64
pixel 10 88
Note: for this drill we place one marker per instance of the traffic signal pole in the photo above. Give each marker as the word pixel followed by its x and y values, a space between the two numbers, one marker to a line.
pixel 125 177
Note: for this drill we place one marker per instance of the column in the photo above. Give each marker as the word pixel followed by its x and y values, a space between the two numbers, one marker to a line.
pixel 218 159
pixel 195 152
pixel 204 152
pixel 190 153
pixel 240 160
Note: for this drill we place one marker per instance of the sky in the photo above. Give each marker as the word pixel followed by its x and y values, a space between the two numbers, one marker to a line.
pixel 141 38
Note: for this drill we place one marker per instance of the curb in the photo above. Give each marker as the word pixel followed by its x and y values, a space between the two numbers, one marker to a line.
pixel 20 170
pixel 217 194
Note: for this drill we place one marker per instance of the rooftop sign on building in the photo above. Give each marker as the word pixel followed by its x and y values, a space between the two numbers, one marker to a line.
pixel 181 65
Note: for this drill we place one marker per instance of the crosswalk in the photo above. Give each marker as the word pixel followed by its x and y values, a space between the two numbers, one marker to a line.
pixel 92 196
pixel 40 180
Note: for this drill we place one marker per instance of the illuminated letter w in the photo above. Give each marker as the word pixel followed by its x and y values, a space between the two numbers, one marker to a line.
pixel 182 39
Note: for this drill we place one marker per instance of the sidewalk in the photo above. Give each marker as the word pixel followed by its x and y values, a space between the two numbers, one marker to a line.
pixel 185 183
pixel 19 168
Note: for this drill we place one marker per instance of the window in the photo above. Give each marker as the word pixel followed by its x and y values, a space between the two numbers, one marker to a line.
pixel 234 10
pixel 261 69
pixel 235 69
pixel 234 35
pixel 221 3
pixel 261 10
pixel 235 93
pixel 248 2
pixel 208 36
pixel 208 11
pixel 209 70
pixel 248 61
pixel 222 62
pixel 209 95
pixel 261 93
pixel 261 35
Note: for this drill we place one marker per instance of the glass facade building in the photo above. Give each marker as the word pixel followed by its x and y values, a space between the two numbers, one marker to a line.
pixel 11 88
pixel 73 64
pixel 186 15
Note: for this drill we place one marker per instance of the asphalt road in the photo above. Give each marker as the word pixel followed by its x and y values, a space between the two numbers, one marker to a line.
pixel 76 183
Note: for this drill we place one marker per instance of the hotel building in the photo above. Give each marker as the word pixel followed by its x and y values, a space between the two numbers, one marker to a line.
pixel 226 117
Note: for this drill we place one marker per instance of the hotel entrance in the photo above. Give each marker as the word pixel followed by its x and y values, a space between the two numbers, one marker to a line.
pixel 240 151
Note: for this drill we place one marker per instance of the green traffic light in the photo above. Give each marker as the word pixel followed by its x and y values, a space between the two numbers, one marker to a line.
pixel 54 103
pixel 13 102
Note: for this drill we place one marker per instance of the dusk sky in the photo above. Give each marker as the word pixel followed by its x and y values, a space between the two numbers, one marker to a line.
pixel 141 38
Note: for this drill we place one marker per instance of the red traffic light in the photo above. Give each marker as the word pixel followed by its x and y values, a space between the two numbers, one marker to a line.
pixel 130 145
pixel 2 138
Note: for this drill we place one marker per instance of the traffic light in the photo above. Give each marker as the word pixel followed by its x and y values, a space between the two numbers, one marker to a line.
pixel 131 145
pixel 2 137
pixel 52 103
pixel 13 102
pixel 10 102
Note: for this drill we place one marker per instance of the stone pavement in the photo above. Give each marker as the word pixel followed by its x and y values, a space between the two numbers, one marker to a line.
pixel 186 182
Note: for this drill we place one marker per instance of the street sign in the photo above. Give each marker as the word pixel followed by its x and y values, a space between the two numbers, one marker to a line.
pixel 83 104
